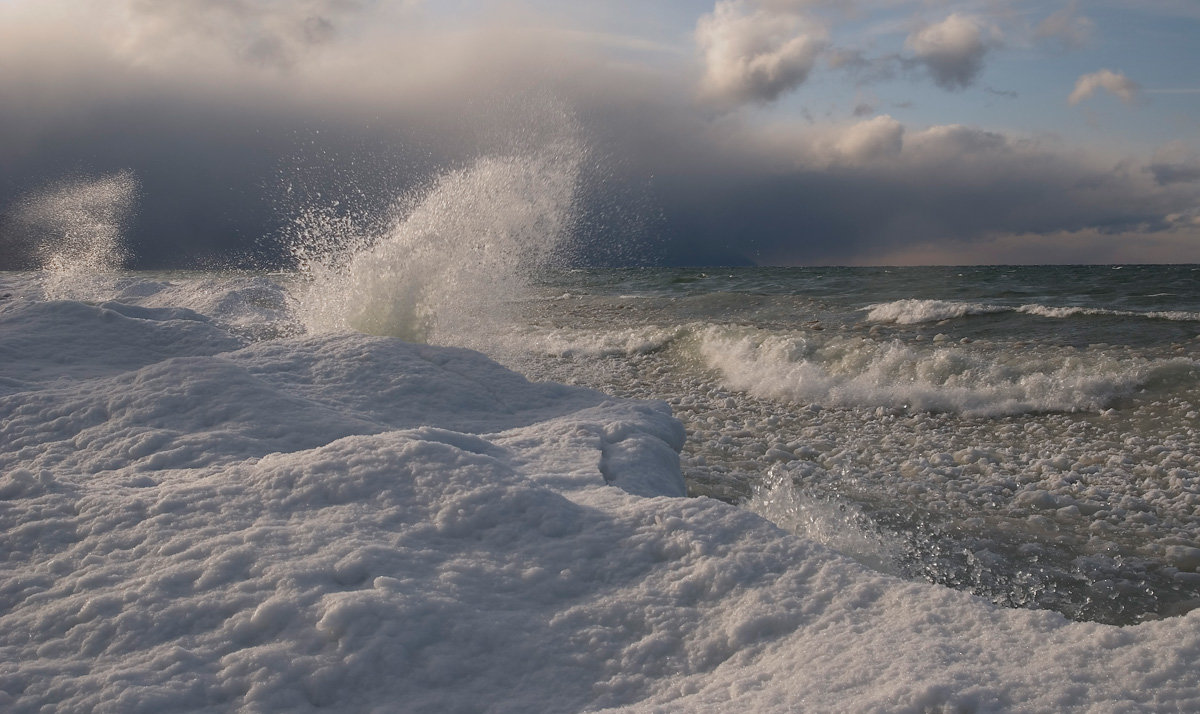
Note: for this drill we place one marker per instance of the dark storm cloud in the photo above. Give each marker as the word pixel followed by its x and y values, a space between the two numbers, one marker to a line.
pixel 1168 173
pixel 1175 163
pixel 228 135
pixel 358 102
pixel 856 196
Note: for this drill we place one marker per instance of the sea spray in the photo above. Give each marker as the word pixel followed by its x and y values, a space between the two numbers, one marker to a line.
pixel 451 263
pixel 825 519
pixel 75 229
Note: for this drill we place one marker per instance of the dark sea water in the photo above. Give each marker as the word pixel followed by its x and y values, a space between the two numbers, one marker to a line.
pixel 1031 434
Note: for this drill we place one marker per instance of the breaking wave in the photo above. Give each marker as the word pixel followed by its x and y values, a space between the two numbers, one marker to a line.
pixel 913 312
pixel 858 372
pixel 453 262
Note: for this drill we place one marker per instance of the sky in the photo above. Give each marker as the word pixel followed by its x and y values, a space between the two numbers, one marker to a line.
pixel 770 132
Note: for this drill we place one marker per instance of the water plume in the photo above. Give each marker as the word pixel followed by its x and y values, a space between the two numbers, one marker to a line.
pixel 453 261
pixel 842 526
pixel 76 230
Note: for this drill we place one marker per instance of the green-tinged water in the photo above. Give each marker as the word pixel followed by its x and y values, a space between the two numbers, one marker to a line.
pixel 1030 434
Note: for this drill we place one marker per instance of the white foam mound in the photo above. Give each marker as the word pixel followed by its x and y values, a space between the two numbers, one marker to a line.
pixel 65 339
pixel 357 524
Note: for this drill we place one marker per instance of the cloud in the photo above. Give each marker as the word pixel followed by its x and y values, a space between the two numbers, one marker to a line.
pixel 1176 172
pixel 871 140
pixel 953 50
pixel 1118 84
pixel 1057 248
pixel 214 132
pixel 1175 163
pixel 385 101
pixel 268 34
pixel 756 52
pixel 947 141
pixel 1067 27
pixel 839 195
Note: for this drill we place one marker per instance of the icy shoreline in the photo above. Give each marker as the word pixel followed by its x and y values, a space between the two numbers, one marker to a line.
pixel 193 523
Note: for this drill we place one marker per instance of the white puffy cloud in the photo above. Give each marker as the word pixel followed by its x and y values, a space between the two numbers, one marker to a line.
pixel 953 49
pixel 1117 83
pixel 755 52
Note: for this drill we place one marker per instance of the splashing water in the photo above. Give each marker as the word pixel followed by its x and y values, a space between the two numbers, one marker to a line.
pixel 77 230
pixel 451 267
pixel 839 525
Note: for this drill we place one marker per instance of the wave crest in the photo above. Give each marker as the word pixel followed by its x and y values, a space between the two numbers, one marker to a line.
pixel 913 311
pixel 858 372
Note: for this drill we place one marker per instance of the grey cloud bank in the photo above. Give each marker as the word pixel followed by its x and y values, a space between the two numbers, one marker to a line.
pixel 234 116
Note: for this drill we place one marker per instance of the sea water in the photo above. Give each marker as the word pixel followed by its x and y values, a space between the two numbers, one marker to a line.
pixel 1030 434
pixel 863 489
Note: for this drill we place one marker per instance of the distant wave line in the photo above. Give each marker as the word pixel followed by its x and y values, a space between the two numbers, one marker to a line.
pixel 912 311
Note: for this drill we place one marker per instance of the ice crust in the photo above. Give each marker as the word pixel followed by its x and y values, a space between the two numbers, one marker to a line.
pixel 190 522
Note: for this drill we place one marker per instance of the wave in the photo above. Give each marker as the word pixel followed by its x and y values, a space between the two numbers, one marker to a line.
pixel 1065 312
pixel 824 519
pixel 913 311
pixel 453 266
pixel 859 372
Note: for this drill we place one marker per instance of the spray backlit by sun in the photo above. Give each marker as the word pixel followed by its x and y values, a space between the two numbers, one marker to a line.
pixel 452 262
pixel 77 229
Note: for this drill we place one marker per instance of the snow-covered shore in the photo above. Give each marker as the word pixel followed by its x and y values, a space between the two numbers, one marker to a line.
pixel 193 522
